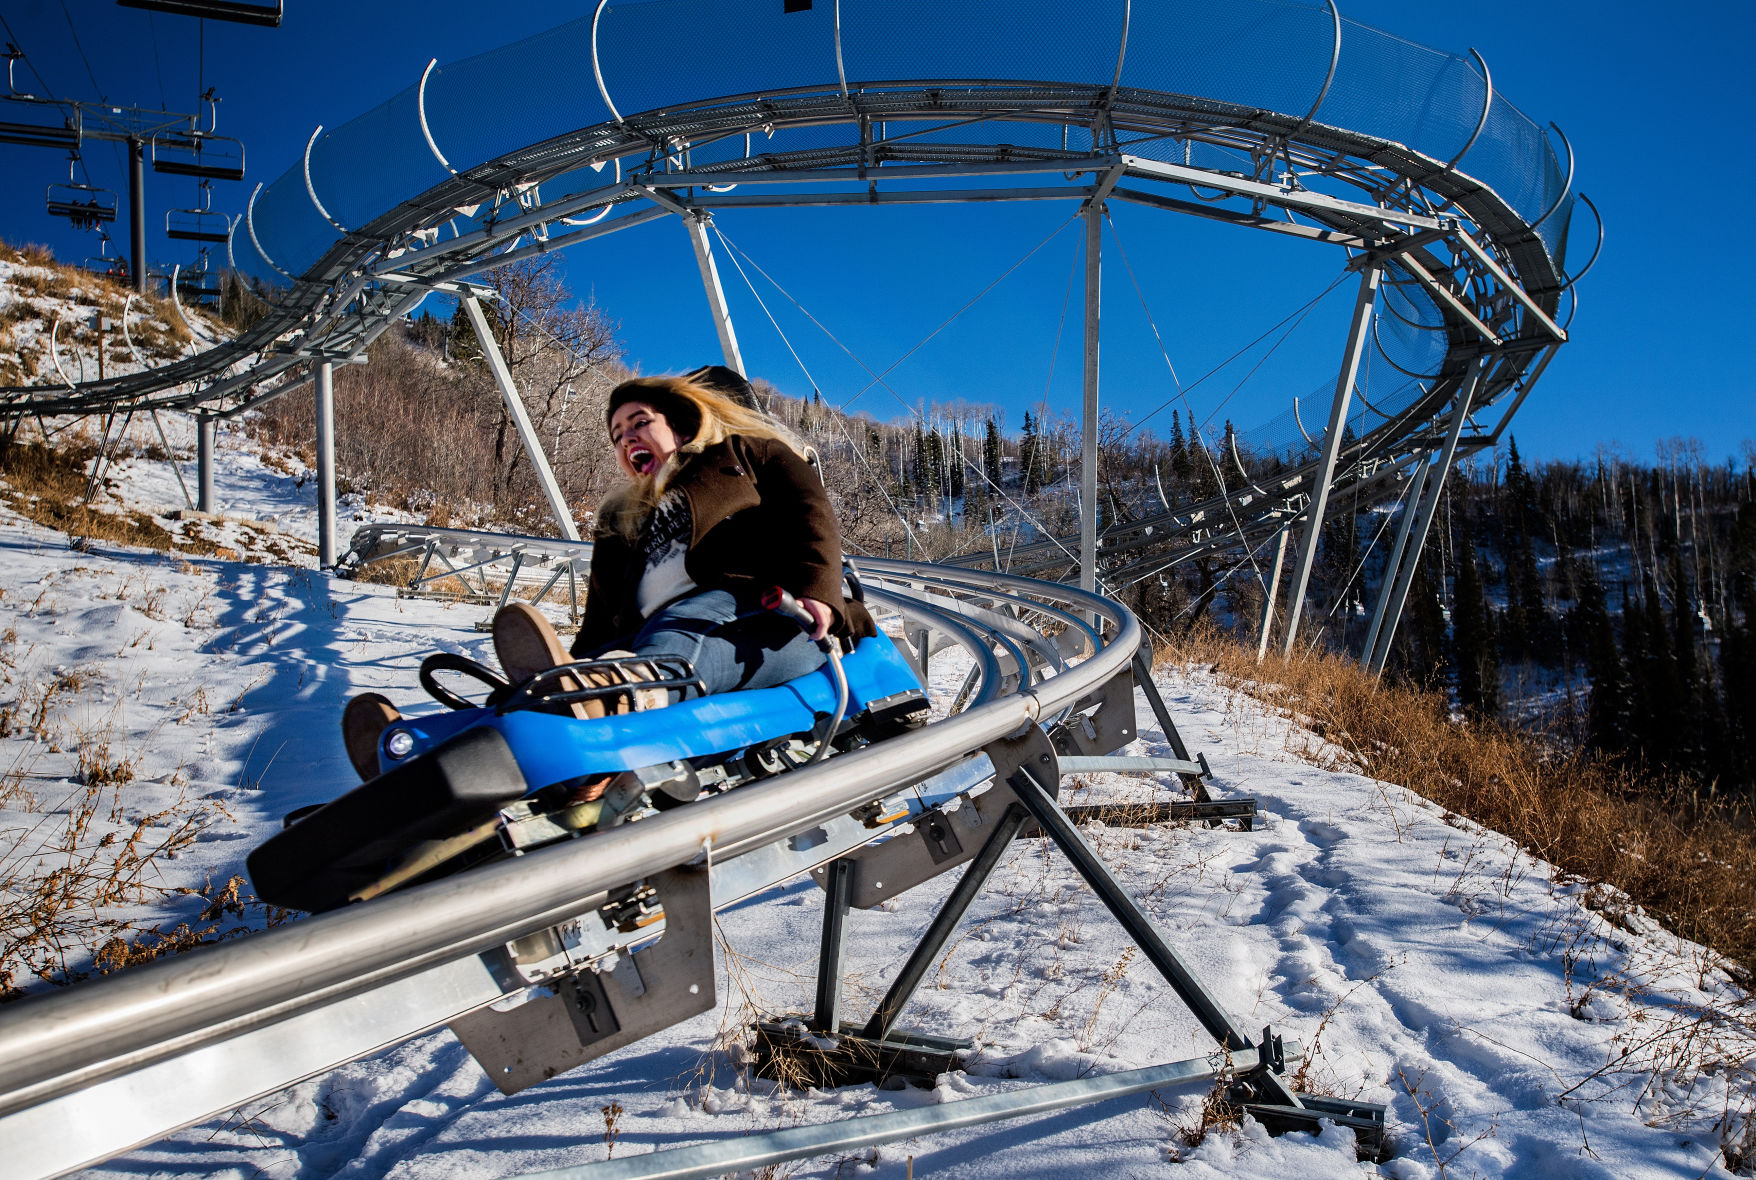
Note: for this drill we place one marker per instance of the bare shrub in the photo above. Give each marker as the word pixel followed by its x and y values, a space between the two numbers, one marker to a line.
pixel 65 889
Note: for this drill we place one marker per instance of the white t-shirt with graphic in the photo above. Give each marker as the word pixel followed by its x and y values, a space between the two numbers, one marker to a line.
pixel 664 544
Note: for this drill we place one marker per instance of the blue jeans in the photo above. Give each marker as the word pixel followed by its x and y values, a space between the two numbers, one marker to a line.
pixel 729 648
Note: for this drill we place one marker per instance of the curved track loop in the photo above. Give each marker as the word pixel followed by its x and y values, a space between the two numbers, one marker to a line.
pixel 1489 280
pixel 1035 657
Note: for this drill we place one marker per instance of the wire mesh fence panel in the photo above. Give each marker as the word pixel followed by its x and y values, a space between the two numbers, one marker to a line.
pixel 1254 53
pixel 369 164
pixel 1270 55
pixel 292 233
pixel 1398 90
pixel 1513 157
pixel 1027 40
pixel 533 90
pixel 663 53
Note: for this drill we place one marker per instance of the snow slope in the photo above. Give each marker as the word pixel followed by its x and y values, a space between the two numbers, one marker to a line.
pixel 1513 1029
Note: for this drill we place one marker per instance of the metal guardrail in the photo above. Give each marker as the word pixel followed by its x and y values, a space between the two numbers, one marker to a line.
pixel 119 1061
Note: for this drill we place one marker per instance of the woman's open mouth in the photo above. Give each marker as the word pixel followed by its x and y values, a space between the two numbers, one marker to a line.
pixel 642 460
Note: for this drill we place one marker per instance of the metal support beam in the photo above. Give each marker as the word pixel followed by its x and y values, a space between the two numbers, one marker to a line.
pixel 1167 724
pixel 533 446
pixel 1205 1006
pixel 137 214
pixel 697 224
pixel 744 1153
pixel 1280 560
pixel 838 892
pixel 204 432
pixel 1417 484
pixel 1344 391
pixel 1094 223
pixel 1436 482
pixel 944 923
pixel 326 547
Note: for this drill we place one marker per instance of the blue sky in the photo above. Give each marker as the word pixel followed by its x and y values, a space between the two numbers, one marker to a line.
pixel 1647 98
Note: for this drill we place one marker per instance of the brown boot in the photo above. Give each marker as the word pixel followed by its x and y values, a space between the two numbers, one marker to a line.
pixel 366 717
pixel 525 643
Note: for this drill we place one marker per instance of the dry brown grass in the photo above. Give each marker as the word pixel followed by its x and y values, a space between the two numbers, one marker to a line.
pixel 47 485
pixel 1684 862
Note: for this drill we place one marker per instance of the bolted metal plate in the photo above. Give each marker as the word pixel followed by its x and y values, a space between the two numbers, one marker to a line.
pixel 585 1015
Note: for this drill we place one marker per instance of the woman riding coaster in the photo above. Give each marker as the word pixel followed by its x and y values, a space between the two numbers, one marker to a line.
pixel 720 506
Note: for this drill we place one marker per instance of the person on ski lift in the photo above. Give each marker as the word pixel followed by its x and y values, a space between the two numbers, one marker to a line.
pixel 719 507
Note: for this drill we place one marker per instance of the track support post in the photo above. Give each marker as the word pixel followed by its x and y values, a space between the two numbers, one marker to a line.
pixel 204 438
pixel 1088 449
pixel 1376 655
pixel 533 446
pixel 325 407
pixel 697 223
pixel 1358 333
pixel 837 895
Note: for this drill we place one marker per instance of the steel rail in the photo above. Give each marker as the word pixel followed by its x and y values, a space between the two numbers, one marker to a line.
pixel 57 1043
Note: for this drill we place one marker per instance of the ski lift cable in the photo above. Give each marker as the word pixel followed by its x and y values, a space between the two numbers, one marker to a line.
pixel 90 73
pixel 839 419
pixel 1213 466
pixel 878 378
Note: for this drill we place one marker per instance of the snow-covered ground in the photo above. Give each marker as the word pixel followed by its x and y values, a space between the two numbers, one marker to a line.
pixel 1513 1028
pixel 49 333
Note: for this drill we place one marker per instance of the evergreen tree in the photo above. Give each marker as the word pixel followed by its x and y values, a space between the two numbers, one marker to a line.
pixel 992 452
pixel 1472 633
pixel 1607 714
pixel 1180 465
pixel 1030 456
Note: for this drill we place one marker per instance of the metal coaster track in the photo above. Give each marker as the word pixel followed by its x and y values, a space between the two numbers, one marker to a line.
pixel 91 1071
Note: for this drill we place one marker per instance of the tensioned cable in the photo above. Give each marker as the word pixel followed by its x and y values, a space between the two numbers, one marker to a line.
pixel 1360 566
pixel 90 73
pixel 878 378
pixel 1298 314
pixel 839 419
pixel 1201 439
pixel 48 92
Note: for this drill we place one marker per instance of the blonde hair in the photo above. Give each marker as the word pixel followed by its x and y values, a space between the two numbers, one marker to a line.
pixel 625 509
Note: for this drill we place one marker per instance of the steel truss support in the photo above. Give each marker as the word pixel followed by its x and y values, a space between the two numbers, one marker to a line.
pixel 325 406
pixel 1325 473
pixel 1376 655
pixel 1094 223
pixel 533 446
pixel 1280 560
pixel 697 223
pixel 1418 484
pixel 204 432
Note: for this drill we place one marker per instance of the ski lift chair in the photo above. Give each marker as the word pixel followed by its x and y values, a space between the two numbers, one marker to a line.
pixel 230 10
pixel 197 225
pixel 198 153
pixel 105 264
pixel 85 206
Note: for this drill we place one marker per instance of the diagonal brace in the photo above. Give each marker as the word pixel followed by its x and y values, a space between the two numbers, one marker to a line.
pixel 1202 1002
pixel 944 922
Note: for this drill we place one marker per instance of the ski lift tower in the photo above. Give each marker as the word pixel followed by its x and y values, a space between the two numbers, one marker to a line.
pixel 179 143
